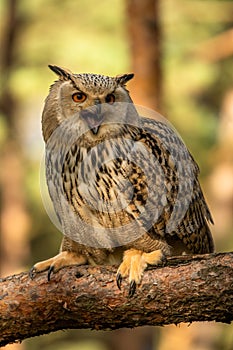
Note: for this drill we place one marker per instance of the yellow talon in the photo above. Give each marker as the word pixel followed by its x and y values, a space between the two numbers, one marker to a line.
pixel 59 261
pixel 134 264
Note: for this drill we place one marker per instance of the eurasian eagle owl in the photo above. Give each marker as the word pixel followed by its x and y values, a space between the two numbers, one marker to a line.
pixel 124 187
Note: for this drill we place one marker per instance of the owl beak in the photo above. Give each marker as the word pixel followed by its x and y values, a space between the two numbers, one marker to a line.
pixel 93 118
pixel 95 130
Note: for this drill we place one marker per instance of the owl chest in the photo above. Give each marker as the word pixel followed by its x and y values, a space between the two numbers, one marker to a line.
pixel 96 182
pixel 105 185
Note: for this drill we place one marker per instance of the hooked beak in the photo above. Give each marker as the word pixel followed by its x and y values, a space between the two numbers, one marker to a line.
pixel 93 117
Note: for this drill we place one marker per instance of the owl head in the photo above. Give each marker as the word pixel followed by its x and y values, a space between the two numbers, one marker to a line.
pixel 98 105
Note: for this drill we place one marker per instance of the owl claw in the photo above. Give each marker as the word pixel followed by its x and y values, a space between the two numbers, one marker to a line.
pixel 134 264
pixel 119 280
pixel 50 271
pixel 54 264
pixel 32 272
pixel 132 288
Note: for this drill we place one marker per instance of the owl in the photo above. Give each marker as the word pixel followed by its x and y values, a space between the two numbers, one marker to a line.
pixel 124 187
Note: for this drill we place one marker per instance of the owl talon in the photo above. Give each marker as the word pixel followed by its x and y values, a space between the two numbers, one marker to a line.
pixel 134 264
pixel 50 271
pixel 32 272
pixel 59 261
pixel 119 280
pixel 132 288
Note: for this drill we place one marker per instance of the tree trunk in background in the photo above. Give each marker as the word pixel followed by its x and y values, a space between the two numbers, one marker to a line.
pixel 222 195
pixel 14 217
pixel 145 43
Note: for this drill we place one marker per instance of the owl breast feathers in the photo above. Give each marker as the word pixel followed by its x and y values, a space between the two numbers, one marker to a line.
pixel 124 187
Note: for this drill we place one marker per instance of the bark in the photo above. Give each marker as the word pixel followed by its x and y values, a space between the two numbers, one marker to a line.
pixel 187 289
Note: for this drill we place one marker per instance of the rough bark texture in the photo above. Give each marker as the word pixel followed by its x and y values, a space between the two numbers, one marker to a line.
pixel 187 289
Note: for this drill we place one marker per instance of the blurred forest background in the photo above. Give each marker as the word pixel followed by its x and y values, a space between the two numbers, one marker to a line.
pixel 181 53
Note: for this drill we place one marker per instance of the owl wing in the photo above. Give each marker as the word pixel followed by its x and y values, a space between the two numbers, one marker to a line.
pixel 181 204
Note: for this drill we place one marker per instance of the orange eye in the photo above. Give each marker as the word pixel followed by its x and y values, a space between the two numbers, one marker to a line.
pixel 110 98
pixel 79 97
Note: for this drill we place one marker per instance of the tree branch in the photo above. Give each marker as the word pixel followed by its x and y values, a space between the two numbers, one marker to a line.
pixel 187 289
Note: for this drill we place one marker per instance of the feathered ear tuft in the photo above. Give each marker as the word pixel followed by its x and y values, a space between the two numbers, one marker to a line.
pixel 124 78
pixel 63 73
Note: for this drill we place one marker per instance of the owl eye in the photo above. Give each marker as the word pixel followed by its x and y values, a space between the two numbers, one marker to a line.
pixel 110 98
pixel 79 97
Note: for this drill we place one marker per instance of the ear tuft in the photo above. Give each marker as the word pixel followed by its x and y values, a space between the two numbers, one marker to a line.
pixel 63 73
pixel 124 78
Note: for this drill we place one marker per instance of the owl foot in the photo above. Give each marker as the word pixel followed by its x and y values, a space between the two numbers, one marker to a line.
pixel 54 264
pixel 134 264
